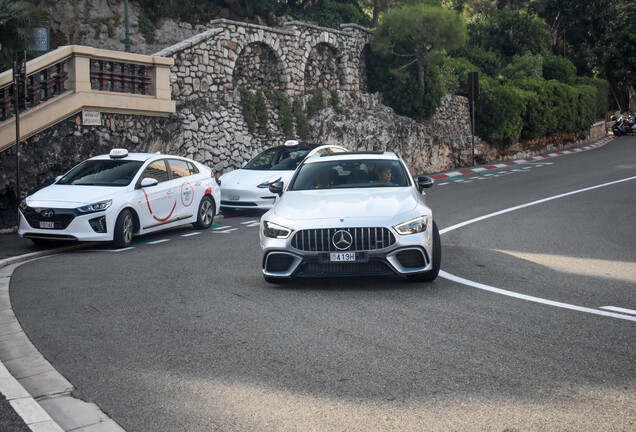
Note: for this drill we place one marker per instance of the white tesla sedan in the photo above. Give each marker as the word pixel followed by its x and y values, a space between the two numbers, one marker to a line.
pixel 247 187
pixel 350 214
pixel 112 197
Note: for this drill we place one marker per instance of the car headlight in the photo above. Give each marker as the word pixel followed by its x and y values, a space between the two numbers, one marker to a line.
pixel 412 226
pixel 95 207
pixel 273 230
pixel 23 205
pixel 266 184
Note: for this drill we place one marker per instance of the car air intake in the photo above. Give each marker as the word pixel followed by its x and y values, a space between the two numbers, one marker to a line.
pixel 362 239
pixel 277 262
pixel 411 258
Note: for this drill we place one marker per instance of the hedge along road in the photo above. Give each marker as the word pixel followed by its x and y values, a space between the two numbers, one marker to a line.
pixel 185 335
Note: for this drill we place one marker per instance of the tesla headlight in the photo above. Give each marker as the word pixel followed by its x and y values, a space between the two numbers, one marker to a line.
pixel 266 184
pixel 412 226
pixel 273 230
pixel 95 207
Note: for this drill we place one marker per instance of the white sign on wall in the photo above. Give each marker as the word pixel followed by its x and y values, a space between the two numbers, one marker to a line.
pixel 91 118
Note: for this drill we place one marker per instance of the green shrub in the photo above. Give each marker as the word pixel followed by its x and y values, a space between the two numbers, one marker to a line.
pixel 486 61
pixel 559 68
pixel 315 103
pixel 261 111
pixel 601 103
pixel 335 101
pixel 302 125
pixel 461 67
pixel 586 105
pixel 527 65
pixel 146 28
pixel 248 105
pixel 498 114
pixel 399 85
pixel 284 109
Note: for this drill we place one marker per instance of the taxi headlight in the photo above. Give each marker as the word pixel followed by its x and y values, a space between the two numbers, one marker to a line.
pixel 273 230
pixel 95 207
pixel 412 226
pixel 266 184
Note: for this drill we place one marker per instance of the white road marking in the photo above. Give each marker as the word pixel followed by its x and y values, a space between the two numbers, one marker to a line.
pixel 500 291
pixel 513 294
pixel 158 241
pixel 249 222
pixel 442 184
pixel 227 231
pixel 221 228
pixel 191 234
pixel 110 250
pixel 618 309
pixel 541 201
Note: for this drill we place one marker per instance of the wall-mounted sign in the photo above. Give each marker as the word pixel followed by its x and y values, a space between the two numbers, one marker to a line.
pixel 91 118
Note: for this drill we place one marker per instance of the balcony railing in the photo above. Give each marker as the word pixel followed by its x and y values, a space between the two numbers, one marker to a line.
pixel 75 78
pixel 41 86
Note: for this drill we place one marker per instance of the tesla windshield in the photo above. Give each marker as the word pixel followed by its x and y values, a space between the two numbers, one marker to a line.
pixel 359 173
pixel 102 173
pixel 278 158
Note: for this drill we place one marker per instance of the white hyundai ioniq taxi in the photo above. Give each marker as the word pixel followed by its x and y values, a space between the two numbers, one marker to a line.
pixel 115 196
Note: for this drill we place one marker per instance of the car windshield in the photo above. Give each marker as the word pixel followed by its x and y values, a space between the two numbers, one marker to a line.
pixel 279 158
pixel 350 174
pixel 103 172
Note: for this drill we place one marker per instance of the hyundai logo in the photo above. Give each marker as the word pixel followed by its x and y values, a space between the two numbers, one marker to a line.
pixel 47 213
pixel 342 240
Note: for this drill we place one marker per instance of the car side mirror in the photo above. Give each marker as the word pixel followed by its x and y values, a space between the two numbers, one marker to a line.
pixel 57 179
pixel 424 182
pixel 276 188
pixel 148 182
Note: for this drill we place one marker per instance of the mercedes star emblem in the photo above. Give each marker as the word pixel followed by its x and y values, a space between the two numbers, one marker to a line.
pixel 342 240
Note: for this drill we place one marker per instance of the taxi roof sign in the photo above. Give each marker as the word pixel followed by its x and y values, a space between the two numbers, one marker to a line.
pixel 118 153
pixel 291 143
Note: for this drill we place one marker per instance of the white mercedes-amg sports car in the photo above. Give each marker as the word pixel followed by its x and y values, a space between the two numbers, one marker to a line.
pixel 112 197
pixel 350 214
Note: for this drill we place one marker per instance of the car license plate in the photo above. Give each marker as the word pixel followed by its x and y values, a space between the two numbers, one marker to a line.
pixel 234 197
pixel 48 225
pixel 343 256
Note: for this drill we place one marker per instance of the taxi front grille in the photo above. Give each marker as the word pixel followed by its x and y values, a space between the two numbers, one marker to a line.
pixel 55 219
pixel 362 239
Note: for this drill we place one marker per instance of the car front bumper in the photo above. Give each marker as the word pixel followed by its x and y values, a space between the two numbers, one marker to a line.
pixel 409 254
pixel 247 199
pixel 87 227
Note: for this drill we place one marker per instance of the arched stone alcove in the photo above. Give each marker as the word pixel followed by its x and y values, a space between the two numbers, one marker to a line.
pixel 323 68
pixel 257 66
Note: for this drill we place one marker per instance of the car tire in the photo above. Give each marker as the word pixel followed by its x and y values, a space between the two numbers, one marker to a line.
pixel 431 275
pixel 124 229
pixel 205 214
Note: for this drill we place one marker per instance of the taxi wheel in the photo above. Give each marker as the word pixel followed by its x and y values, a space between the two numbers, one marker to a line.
pixel 124 228
pixel 205 216
pixel 431 275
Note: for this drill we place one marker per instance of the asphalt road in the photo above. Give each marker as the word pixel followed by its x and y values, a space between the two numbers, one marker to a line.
pixel 185 335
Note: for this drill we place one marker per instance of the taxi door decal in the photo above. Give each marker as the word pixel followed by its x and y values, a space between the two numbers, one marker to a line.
pixel 187 194
pixel 150 209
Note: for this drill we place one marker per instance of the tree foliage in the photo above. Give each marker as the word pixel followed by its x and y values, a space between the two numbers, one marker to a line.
pixel 407 44
pixel 18 19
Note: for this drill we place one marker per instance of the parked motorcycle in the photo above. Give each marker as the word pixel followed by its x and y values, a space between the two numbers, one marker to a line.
pixel 623 124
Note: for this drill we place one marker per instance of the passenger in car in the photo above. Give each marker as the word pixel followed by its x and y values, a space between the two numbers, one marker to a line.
pixel 383 173
pixel 324 180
